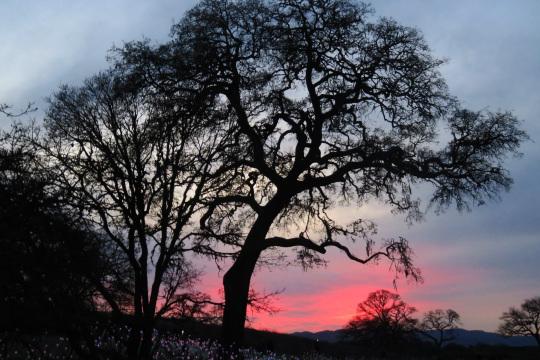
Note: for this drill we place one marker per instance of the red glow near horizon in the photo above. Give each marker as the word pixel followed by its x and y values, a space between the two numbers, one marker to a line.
pixel 328 310
pixel 326 299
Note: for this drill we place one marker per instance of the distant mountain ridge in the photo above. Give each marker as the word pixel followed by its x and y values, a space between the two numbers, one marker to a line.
pixel 462 337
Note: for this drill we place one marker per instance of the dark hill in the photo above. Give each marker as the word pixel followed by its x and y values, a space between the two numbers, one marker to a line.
pixel 462 337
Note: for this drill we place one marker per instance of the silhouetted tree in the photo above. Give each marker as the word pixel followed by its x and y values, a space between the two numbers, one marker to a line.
pixel 382 321
pixel 327 107
pixel 52 266
pixel 524 321
pixel 7 110
pixel 441 322
pixel 133 162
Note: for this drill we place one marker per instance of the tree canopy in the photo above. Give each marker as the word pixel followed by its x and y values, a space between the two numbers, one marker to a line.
pixel 524 321
pixel 383 320
pixel 132 162
pixel 438 324
pixel 325 105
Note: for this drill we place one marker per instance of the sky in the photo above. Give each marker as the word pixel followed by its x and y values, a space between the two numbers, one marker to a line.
pixel 478 263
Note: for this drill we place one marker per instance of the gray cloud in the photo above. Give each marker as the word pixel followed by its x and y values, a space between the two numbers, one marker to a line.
pixel 48 43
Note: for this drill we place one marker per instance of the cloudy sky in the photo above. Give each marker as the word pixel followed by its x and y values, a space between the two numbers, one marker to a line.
pixel 478 263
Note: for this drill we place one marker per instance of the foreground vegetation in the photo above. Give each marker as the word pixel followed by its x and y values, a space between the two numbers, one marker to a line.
pixel 194 340
pixel 110 344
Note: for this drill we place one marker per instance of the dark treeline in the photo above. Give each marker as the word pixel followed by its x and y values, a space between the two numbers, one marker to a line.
pixel 234 140
pixel 385 326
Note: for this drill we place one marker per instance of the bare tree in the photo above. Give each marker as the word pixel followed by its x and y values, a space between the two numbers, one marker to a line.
pixel 441 322
pixel 133 164
pixel 524 321
pixel 382 320
pixel 327 108
pixel 7 110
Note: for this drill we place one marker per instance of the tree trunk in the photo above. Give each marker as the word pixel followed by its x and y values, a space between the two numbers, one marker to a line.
pixel 237 280
pixel 134 341
pixel 140 341
pixel 236 285
pixel 145 352
pixel 137 325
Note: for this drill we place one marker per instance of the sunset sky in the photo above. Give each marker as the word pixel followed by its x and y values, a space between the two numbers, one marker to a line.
pixel 478 263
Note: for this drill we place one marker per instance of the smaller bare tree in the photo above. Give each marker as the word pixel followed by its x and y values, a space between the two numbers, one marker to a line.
pixel 134 164
pixel 438 325
pixel 382 320
pixel 524 321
